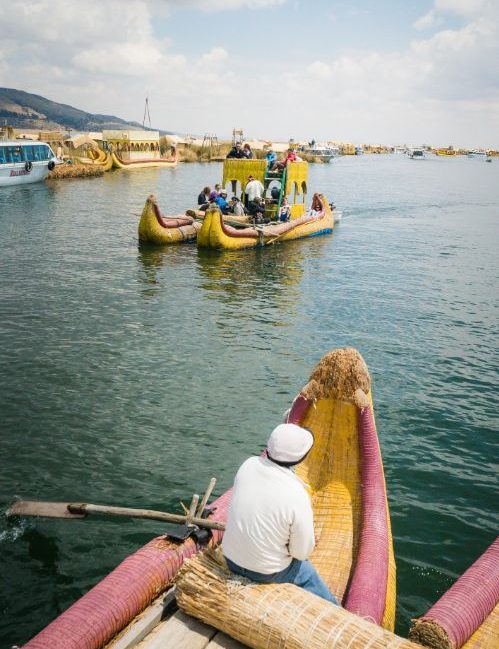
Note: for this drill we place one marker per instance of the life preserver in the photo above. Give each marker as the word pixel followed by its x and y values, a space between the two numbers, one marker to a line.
pixel 28 166
pixel 51 165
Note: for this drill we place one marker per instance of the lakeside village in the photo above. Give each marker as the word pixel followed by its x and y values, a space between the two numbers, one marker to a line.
pixel 86 154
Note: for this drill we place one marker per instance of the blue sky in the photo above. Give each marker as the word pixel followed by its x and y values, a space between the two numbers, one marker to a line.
pixel 391 71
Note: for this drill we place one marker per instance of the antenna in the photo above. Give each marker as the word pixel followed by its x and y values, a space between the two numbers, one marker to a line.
pixel 146 112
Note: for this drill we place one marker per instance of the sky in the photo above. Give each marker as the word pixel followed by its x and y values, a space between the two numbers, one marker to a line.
pixel 380 71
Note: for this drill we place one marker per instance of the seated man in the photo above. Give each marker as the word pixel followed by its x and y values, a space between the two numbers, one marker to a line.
pixel 236 151
pixel 256 209
pixel 270 528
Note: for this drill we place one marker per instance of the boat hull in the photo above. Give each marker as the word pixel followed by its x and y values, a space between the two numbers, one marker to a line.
pixel 220 236
pixel 17 174
pixel 158 229
pixel 145 163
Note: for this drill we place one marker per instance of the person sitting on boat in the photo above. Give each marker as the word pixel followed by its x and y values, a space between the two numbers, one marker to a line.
pixel 270 525
pixel 221 201
pixel 270 158
pixel 237 207
pixel 256 210
pixel 317 208
pixel 236 151
pixel 290 157
pixel 284 211
pixel 275 192
pixel 253 189
pixel 247 152
pixel 204 196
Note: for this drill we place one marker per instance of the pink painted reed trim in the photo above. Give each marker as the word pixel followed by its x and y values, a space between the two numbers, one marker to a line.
pixel 367 591
pixel 110 605
pixel 462 609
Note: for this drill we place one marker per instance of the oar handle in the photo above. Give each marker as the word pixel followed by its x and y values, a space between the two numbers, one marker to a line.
pixel 87 508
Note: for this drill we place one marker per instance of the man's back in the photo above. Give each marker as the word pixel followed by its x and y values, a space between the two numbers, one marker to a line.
pixel 270 519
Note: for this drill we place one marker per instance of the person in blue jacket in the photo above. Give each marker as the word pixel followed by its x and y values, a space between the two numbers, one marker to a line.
pixel 221 201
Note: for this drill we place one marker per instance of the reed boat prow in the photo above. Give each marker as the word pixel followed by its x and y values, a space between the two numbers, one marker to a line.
pixel 154 227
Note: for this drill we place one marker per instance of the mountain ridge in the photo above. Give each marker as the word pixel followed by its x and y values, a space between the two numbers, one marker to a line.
pixel 23 109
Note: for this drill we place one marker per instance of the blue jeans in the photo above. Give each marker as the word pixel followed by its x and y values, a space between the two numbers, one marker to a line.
pixel 301 573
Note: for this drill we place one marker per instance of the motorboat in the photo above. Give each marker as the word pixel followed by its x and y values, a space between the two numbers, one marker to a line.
pixel 23 162
pixel 416 154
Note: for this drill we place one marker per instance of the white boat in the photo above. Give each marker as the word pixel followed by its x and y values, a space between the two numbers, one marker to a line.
pixel 416 154
pixel 24 162
pixel 326 153
pixel 477 153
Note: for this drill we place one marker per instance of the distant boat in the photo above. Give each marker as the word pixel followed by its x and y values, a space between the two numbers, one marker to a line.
pixel 476 154
pixel 325 153
pixel 416 154
pixel 488 159
pixel 23 162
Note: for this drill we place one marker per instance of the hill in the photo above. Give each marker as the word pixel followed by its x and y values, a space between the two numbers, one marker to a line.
pixel 24 110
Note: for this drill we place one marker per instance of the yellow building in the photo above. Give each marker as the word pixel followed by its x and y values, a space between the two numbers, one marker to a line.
pixel 133 145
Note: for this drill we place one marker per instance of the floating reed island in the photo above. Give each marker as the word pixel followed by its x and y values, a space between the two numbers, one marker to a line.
pixel 77 170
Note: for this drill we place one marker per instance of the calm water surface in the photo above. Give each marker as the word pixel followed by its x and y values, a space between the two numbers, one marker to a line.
pixel 131 375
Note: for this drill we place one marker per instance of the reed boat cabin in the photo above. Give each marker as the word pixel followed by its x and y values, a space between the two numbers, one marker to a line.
pixel 291 183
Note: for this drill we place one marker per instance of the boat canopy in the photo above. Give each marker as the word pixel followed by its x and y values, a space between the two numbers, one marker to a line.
pixel 236 170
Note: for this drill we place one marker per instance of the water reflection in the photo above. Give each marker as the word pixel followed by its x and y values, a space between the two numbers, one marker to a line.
pixel 153 261
pixel 239 275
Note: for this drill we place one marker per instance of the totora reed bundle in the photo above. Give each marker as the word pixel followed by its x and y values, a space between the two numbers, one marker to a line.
pixel 273 616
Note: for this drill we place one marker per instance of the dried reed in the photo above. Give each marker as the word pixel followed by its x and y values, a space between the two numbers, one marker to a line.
pixel 273 616
pixel 75 171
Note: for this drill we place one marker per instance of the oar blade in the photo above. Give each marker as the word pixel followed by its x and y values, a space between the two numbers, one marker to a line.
pixel 42 508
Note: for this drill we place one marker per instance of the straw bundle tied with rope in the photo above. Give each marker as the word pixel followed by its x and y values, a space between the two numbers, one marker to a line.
pixel 273 616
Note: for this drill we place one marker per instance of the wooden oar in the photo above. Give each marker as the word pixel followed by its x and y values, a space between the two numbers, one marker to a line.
pixel 80 510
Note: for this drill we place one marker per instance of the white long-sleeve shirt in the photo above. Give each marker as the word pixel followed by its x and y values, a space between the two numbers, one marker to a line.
pixel 270 519
pixel 253 189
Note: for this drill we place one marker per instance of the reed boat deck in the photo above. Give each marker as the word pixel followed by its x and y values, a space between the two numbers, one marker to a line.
pixel 176 631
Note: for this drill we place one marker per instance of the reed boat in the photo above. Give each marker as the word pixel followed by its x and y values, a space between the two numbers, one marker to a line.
pixel 467 615
pixel 101 159
pixel 354 551
pixel 154 227
pixel 217 234
pixel 141 163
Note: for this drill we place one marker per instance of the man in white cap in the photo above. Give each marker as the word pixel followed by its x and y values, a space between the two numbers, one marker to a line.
pixel 270 528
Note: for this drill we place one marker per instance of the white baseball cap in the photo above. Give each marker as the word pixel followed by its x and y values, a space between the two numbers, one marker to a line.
pixel 289 443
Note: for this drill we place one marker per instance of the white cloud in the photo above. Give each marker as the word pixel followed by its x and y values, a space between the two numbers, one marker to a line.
pixel 319 69
pixel 226 5
pixel 214 56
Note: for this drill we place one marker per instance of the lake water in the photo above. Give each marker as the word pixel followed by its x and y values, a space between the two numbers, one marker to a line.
pixel 131 376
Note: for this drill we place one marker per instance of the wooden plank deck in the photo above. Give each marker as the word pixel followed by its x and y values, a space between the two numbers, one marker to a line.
pixel 180 631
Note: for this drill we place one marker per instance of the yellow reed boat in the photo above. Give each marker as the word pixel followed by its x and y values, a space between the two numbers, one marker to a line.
pixel 217 234
pixel 143 163
pixel 102 159
pixel 155 227
pixel 354 548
